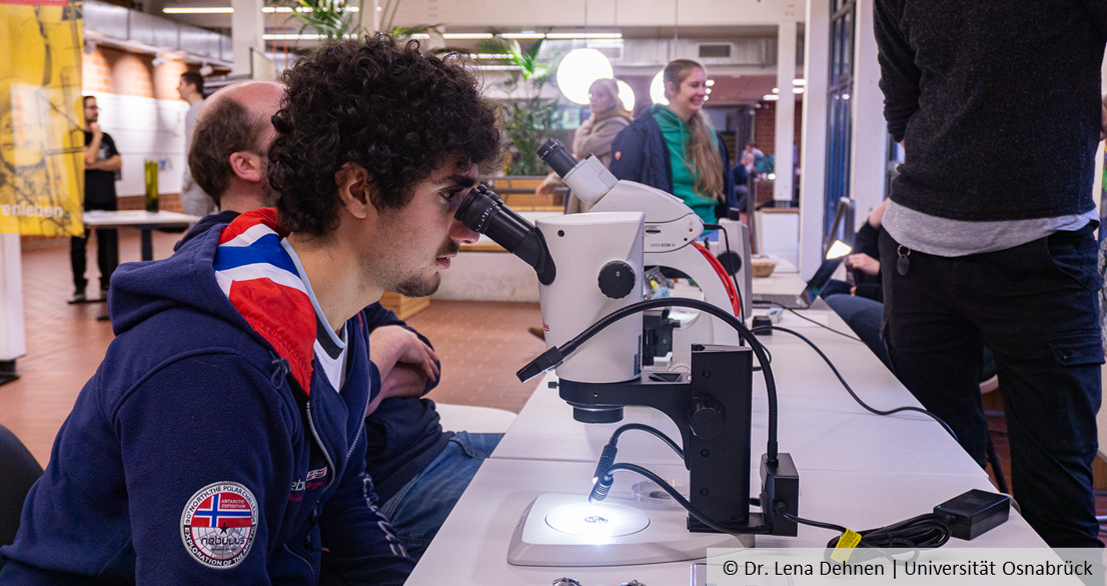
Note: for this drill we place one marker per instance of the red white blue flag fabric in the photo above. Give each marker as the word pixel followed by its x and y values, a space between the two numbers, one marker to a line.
pixel 259 278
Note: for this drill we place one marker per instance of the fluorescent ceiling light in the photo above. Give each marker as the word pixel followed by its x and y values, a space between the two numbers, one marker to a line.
pixel 198 10
pixel 467 36
pixel 580 36
pixel 490 55
pixel 797 90
pixel 272 9
pixel 770 97
pixel 776 90
pixel 799 82
pixel 522 35
pixel 710 82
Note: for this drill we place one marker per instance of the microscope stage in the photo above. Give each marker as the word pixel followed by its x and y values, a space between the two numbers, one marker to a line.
pixel 564 530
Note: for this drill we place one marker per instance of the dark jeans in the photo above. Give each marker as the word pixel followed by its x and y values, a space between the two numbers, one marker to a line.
pixel 107 256
pixel 420 508
pixel 1036 306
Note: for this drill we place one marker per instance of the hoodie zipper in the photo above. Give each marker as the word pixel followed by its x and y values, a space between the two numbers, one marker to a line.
pixel 319 442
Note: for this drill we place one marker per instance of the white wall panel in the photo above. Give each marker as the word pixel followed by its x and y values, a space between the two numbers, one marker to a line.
pixel 145 128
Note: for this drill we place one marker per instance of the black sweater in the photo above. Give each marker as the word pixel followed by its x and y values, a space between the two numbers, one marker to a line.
pixel 998 104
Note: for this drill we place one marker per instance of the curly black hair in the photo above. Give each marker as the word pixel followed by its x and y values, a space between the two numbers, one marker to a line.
pixel 397 113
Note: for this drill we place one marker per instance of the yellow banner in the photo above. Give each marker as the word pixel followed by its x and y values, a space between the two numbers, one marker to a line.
pixel 41 120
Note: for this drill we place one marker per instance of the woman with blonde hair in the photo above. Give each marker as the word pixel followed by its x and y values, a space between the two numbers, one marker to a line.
pixel 594 136
pixel 673 149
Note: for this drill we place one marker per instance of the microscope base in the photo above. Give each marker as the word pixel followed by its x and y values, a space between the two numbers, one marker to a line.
pixel 637 533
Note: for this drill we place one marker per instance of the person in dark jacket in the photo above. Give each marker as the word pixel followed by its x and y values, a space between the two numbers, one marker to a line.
pixel 419 470
pixel 222 441
pixel 988 236
pixel 673 149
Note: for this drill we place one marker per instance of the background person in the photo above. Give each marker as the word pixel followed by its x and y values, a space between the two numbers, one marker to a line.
pixel 102 161
pixel 193 198
pixel 1004 257
pixel 673 149
pixel 594 136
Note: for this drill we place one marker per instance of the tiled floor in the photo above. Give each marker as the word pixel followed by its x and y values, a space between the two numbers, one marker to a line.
pixel 481 345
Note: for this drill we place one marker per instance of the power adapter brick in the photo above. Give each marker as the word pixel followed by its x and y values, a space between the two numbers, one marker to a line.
pixel 974 513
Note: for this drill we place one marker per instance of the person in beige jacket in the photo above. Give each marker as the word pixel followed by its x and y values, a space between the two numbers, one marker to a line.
pixel 594 136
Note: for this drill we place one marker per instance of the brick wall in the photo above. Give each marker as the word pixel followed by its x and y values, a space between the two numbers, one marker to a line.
pixel 766 127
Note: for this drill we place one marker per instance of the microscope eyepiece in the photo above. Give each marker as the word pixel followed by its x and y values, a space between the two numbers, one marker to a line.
pixel 554 154
pixel 483 211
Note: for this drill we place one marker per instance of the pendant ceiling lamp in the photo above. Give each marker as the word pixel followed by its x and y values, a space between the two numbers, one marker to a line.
pixel 657 89
pixel 578 69
pixel 626 95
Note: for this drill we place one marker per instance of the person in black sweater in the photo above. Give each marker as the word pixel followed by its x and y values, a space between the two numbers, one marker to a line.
pixel 102 161
pixel 988 235
pixel 418 469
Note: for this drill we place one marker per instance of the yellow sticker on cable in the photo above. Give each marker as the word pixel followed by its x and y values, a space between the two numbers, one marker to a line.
pixel 846 543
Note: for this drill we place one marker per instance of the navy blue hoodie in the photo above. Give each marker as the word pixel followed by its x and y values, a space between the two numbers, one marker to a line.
pixel 195 454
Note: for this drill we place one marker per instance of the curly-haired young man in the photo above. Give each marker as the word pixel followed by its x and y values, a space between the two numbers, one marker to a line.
pixel 222 440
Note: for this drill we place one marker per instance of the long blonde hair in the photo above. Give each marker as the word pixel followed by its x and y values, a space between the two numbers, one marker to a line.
pixel 701 153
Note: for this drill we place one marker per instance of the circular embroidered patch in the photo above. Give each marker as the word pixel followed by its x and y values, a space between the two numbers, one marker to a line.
pixel 219 523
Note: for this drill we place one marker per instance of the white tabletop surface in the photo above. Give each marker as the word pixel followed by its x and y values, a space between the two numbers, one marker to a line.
pixel 856 469
pixel 136 218
pixel 471 548
pixel 780 284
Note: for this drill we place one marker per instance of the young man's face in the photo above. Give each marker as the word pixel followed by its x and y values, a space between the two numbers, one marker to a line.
pixel 92 112
pixel 185 89
pixel 422 237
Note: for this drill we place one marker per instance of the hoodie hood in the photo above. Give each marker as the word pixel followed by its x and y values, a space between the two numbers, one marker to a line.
pixel 240 274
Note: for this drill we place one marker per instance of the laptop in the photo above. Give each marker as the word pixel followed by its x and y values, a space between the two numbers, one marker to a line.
pixel 810 293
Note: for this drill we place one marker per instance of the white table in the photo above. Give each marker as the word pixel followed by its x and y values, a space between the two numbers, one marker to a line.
pixel 856 469
pixel 471 548
pixel 141 219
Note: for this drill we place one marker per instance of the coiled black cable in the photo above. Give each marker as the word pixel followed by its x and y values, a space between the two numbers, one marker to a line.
pixel 925 531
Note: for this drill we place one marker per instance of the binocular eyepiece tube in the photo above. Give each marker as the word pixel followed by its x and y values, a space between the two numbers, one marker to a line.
pixel 484 212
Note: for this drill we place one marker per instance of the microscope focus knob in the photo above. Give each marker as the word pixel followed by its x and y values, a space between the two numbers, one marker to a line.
pixel 706 417
pixel 617 279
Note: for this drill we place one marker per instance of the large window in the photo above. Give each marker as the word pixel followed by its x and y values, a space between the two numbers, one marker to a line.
pixel 839 117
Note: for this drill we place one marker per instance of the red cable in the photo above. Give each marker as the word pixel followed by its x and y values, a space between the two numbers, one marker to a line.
pixel 732 293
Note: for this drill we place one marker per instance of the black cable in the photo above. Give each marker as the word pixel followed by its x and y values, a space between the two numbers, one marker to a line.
pixel 850 389
pixel 555 356
pixel 646 428
pixel 925 531
pixel 606 479
pixel 824 326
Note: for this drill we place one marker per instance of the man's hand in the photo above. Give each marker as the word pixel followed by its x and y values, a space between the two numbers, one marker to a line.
pixel 405 380
pixel 864 263
pixel 393 345
pixel 94 128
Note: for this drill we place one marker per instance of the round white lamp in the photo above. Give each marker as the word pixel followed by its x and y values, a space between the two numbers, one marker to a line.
pixel 578 70
pixel 626 95
pixel 657 89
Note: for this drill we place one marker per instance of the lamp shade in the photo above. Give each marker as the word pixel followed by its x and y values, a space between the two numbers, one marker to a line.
pixel 657 89
pixel 578 69
pixel 626 95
